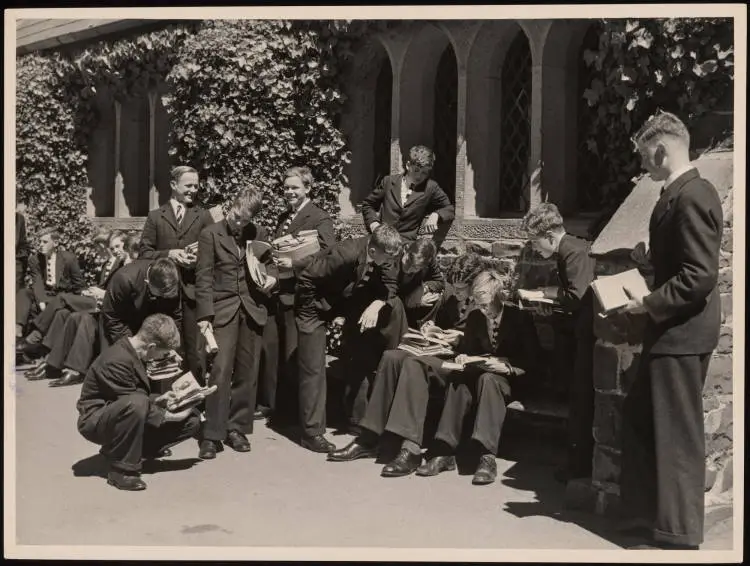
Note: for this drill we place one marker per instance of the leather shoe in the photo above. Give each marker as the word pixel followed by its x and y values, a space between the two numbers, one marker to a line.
pixel 486 470
pixel 435 465
pixel 127 482
pixel 353 451
pixel 36 372
pixel 402 465
pixel 317 443
pixel 69 377
pixel 237 441
pixel 207 449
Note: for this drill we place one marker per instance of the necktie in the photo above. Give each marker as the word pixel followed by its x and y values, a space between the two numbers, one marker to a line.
pixel 50 274
pixel 287 223
pixel 180 213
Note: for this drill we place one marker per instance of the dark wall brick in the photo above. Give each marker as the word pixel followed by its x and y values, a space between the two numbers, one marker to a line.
pixel 608 419
pixel 606 362
pixel 607 464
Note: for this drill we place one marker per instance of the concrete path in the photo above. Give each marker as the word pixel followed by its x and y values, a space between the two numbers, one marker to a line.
pixel 280 494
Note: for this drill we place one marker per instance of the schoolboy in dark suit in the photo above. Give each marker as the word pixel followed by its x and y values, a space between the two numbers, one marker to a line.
pixel 420 281
pixel 403 201
pixel 575 271
pixel 118 410
pixel 356 279
pixel 232 298
pixel 280 333
pixel 167 232
pixel 663 454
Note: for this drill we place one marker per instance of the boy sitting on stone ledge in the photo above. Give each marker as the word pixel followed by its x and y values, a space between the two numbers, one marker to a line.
pixel 575 271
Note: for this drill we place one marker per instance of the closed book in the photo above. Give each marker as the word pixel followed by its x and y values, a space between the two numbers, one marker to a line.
pixel 610 289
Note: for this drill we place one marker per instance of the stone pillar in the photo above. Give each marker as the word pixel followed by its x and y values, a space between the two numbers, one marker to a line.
pixel 121 207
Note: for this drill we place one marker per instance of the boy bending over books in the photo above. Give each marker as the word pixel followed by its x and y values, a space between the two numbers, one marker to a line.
pixel 119 411
pixel 575 271
pixel 420 282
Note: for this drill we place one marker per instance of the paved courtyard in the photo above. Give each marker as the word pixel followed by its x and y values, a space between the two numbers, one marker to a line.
pixel 282 495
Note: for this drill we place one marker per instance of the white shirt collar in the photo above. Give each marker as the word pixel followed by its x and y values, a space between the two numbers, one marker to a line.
pixel 675 175
pixel 300 207
pixel 175 204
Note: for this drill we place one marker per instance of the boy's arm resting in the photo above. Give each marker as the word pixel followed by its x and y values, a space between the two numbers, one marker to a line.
pixel 441 204
pixel 579 271
pixel 372 203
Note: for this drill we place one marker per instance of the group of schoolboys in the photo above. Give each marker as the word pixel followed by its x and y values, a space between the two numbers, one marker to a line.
pixel 269 317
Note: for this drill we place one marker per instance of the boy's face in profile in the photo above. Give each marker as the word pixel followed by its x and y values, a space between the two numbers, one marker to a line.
pixel 654 159
pixel 544 245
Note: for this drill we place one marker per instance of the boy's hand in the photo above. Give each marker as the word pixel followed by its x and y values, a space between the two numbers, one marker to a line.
pixel 369 318
pixel 496 365
pixel 431 225
pixel 171 417
pixel 641 255
pixel 635 304
pixel 544 309
pixel 429 299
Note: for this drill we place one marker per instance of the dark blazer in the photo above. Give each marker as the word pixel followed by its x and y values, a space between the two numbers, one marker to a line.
pixel 67 272
pixel 161 234
pixel 575 270
pixel 411 285
pixel 336 275
pixel 80 303
pixel 310 217
pixel 426 198
pixel 117 372
pixel 22 250
pixel 128 302
pixel 223 283
pixel 685 238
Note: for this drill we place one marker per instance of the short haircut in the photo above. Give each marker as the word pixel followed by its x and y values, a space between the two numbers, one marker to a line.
pixel 164 277
pixel 302 173
pixel 53 234
pixel 541 219
pixel 247 203
pixel 465 268
pixel 386 239
pixel 133 245
pixel 102 237
pixel 421 252
pixel 177 172
pixel 422 156
pixel 116 235
pixel 662 124
pixel 488 288
pixel 161 330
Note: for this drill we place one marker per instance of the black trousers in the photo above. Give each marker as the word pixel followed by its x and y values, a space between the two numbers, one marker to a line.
pixel 475 391
pixel 120 428
pixel 194 343
pixel 581 402
pixel 20 273
pixel 401 392
pixel 363 354
pixel 277 388
pixel 235 374
pixel 76 345
pixel 663 451
pixel 26 307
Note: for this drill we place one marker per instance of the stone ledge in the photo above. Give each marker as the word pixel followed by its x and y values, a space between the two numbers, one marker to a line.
pixel 132 223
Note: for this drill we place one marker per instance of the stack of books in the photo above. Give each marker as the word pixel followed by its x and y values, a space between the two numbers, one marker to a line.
pixel 296 247
pixel 424 344
pixel 164 368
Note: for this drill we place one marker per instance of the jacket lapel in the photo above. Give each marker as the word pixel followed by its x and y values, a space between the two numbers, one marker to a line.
pixel 168 214
pixel 227 240
pixel 396 189
pixel 416 193
pixel 190 216
pixel 299 220
pixel 664 204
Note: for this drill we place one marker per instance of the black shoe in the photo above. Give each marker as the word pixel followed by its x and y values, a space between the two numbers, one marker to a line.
pixel 127 482
pixel 434 466
pixel 353 451
pixel 402 465
pixel 69 377
pixel 37 371
pixel 207 449
pixel 261 413
pixel 486 470
pixel 237 441
pixel 317 443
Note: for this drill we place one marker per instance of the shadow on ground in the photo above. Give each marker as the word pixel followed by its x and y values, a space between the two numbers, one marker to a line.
pixel 97 466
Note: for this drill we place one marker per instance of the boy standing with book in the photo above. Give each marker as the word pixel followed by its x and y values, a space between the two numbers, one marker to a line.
pixel 575 271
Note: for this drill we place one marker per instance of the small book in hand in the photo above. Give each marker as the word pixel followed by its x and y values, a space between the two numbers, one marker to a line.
pixel 187 393
pixel 610 290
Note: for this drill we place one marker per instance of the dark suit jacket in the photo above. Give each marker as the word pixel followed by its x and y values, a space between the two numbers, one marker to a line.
pixel 22 250
pixel 161 234
pixel 128 302
pixel 117 372
pixel 411 285
pixel 426 198
pixel 335 276
pixel 80 303
pixel 223 282
pixel 67 272
pixel 685 238
pixel 575 272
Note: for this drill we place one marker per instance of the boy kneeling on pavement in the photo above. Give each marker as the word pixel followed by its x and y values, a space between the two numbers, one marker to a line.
pixel 118 410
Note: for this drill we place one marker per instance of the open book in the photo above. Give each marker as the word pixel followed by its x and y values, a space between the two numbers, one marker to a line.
pixel 164 368
pixel 430 342
pixel 186 392
pixel 530 299
pixel 610 290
